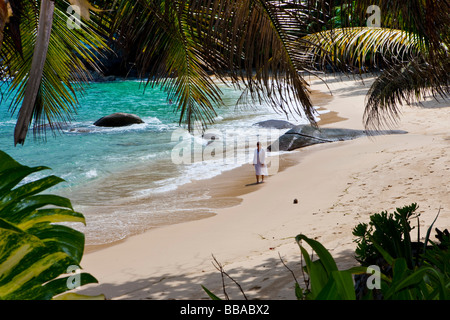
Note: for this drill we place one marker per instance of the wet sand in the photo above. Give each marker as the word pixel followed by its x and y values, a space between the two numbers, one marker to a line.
pixel 337 185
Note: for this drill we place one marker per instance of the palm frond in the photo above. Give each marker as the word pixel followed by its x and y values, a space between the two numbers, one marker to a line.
pixel 404 83
pixel 347 48
pixel 408 67
pixel 428 20
pixel 180 44
pixel 61 74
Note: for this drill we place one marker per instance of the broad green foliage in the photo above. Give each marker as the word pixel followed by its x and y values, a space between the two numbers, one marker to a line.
pixel 390 231
pixel 35 251
pixel 391 269
pixel 426 282
pixel 327 282
pixel 414 270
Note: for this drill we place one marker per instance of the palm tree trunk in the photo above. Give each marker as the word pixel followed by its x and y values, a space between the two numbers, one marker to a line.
pixel 37 67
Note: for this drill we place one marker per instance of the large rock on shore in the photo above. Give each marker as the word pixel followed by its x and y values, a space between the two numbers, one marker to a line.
pixel 306 135
pixel 118 120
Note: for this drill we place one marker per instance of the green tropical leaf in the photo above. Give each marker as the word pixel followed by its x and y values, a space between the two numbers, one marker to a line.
pixel 324 255
pixel 32 188
pixel 60 238
pixel 210 294
pixel 9 178
pixel 298 291
pixel 320 271
pixel 26 265
pixel 406 285
pixel 339 287
pixel 34 248
pixel 58 287
pixel 75 296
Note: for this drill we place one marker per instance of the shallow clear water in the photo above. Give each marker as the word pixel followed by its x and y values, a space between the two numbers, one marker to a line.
pixel 108 168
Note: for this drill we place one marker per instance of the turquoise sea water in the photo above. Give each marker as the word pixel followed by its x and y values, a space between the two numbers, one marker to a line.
pixel 106 169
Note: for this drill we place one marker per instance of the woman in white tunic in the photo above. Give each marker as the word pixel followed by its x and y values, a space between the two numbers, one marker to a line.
pixel 259 161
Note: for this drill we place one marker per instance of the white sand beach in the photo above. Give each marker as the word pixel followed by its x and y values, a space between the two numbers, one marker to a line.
pixel 338 185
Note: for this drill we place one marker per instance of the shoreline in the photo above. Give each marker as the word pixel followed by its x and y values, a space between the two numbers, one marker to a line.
pixel 337 184
pixel 239 180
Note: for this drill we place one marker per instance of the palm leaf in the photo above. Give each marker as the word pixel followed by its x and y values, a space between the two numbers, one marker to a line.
pixel 180 44
pixel 45 90
pixel 411 69
pixel 346 48
pixel 404 83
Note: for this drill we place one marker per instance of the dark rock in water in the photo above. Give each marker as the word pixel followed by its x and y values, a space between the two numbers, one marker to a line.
pixel 306 135
pixel 118 120
pixel 276 124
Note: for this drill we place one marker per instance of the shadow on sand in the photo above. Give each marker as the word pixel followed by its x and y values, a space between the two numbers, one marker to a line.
pixel 268 280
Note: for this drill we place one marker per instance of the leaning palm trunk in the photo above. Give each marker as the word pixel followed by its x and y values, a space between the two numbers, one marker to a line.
pixel 46 62
pixel 37 67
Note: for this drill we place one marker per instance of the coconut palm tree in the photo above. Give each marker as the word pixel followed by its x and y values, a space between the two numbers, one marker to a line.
pixel 178 45
pixel 254 41
pixel 259 46
pixel 44 61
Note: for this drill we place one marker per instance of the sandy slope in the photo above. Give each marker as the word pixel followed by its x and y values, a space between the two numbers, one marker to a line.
pixel 337 186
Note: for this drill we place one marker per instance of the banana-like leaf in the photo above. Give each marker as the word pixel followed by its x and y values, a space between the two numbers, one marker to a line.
pixel 9 178
pixel 58 287
pixel 25 265
pixel 75 296
pixel 319 271
pixel 324 255
pixel 34 249
pixel 339 287
pixel 29 189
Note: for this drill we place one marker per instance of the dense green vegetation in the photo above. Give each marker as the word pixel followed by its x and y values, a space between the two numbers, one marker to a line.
pixel 392 266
